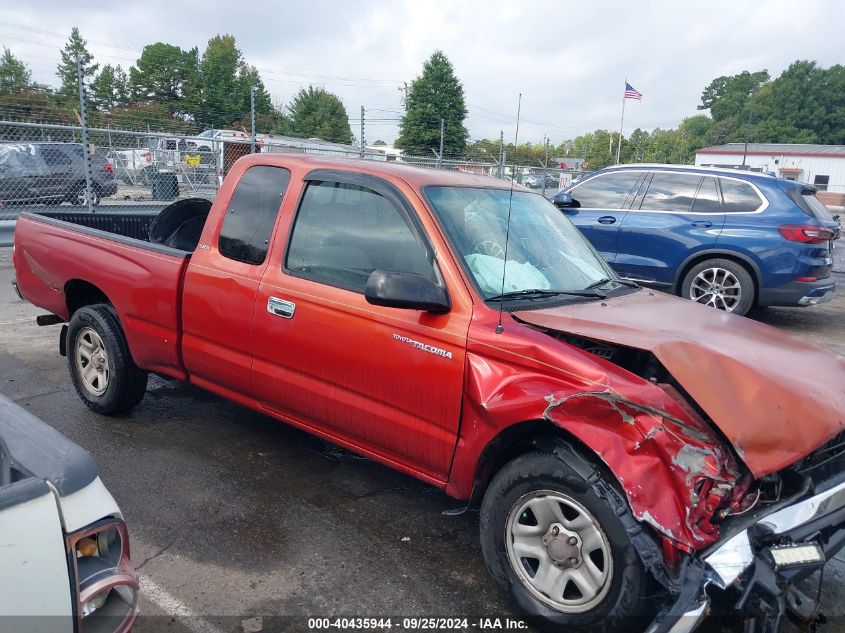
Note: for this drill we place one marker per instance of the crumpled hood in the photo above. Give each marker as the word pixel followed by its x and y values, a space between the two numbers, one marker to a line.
pixel 775 396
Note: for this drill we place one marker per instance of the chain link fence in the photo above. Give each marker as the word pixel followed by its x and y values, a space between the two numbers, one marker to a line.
pixel 45 168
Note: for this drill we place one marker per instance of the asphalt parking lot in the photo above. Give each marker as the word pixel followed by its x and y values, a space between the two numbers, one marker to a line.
pixel 234 516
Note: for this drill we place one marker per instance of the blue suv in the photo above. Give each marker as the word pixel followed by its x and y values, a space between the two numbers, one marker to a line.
pixel 726 238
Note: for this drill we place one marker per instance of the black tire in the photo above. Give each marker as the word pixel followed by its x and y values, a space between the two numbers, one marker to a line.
pixel 80 193
pixel 747 287
pixel 623 603
pixel 125 384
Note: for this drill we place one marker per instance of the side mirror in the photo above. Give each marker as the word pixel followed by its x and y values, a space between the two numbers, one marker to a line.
pixel 409 291
pixel 564 201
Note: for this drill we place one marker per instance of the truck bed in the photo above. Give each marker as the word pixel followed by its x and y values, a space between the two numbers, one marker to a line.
pixel 63 258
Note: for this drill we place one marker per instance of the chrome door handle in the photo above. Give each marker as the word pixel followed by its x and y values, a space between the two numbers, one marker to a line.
pixel 607 219
pixel 280 307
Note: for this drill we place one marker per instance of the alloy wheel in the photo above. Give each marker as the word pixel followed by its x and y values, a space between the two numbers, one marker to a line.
pixel 716 287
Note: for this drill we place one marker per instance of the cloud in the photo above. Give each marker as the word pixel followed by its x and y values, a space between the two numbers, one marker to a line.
pixel 569 61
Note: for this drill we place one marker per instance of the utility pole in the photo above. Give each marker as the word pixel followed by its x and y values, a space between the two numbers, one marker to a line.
pixel 440 155
pixel 252 115
pixel 362 131
pixel 83 119
pixel 404 90
pixel 750 115
pixel 545 164
pixel 502 154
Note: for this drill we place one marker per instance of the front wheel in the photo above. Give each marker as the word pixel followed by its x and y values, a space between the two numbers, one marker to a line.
pixel 557 547
pixel 101 367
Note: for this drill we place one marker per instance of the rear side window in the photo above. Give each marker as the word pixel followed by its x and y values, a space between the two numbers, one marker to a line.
pixel 606 191
pixel 816 206
pixel 707 199
pixel 252 211
pixel 54 156
pixel 344 232
pixel 670 192
pixel 739 197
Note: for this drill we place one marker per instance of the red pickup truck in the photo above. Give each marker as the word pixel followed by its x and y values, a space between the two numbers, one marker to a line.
pixel 620 442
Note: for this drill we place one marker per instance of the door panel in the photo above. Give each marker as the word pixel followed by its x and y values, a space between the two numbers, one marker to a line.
pixel 387 380
pixel 603 201
pixel 679 214
pixel 222 281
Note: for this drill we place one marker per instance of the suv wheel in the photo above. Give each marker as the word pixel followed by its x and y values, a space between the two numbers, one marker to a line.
pixel 79 197
pixel 720 283
pixel 555 539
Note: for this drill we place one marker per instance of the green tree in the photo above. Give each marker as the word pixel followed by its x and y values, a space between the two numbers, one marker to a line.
pixel 314 112
pixel 726 96
pixel 166 75
pixel 75 48
pixel 225 82
pixel 15 76
pixel 436 94
pixel 110 89
pixel 379 143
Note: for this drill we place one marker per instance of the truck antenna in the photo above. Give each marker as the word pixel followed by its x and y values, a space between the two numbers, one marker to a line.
pixel 500 328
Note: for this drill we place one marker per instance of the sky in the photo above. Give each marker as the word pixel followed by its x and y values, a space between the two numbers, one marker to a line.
pixel 569 60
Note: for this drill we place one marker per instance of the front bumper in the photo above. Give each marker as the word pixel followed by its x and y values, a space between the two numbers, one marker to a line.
pixel 743 562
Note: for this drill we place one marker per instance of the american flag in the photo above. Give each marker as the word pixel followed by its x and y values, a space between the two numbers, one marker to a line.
pixel 631 93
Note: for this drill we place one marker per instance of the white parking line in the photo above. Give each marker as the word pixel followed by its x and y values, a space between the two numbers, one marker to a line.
pixel 174 607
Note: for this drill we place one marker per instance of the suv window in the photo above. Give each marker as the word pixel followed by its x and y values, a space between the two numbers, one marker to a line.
pixel 739 197
pixel 707 199
pixel 671 192
pixel 344 232
pixel 54 156
pixel 252 212
pixel 606 191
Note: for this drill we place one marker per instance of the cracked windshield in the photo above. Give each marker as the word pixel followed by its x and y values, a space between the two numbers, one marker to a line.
pixel 544 250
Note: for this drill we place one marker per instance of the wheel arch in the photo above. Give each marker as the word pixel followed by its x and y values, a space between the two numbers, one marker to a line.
pixel 80 293
pixel 699 256
pixel 547 437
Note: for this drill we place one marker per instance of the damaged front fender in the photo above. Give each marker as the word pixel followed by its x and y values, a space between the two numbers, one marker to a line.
pixel 674 472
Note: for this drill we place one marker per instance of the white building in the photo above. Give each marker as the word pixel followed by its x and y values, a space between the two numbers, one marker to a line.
pixel 820 165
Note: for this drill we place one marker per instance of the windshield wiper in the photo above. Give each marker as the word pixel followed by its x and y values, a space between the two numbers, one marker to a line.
pixel 607 280
pixel 534 293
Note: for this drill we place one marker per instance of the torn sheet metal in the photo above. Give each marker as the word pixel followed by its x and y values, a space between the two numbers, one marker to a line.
pixel 775 396
pixel 676 476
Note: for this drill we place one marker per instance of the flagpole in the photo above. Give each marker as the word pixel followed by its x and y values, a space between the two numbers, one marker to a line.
pixel 621 123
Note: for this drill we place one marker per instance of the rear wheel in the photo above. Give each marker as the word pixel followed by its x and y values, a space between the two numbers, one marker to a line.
pixel 557 546
pixel 79 196
pixel 720 283
pixel 101 368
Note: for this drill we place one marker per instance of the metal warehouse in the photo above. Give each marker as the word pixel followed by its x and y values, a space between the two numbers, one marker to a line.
pixel 821 165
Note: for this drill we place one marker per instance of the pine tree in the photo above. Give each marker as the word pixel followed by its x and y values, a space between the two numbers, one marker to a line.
pixel 14 74
pixel 436 94
pixel 75 48
pixel 314 112
pixel 111 88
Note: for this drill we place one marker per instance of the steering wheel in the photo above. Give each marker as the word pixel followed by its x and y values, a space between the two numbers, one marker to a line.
pixel 489 247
